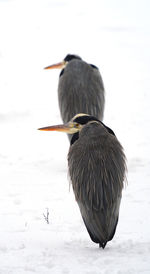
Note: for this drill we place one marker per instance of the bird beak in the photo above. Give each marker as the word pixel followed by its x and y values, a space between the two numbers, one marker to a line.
pixel 60 65
pixel 68 128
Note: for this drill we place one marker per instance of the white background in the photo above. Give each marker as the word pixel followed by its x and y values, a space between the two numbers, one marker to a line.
pixel 115 36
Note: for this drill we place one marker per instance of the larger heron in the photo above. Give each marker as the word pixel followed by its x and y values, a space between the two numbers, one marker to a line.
pixel 97 168
pixel 80 88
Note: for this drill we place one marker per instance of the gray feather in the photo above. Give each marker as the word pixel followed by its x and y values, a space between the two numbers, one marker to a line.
pixel 97 171
pixel 80 90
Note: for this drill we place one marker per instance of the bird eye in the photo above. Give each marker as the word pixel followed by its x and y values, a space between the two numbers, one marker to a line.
pixel 76 125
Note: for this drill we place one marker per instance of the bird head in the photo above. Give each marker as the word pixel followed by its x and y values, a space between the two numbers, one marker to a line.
pixel 75 125
pixel 62 65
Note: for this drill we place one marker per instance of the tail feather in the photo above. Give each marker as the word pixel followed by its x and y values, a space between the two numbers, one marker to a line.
pixel 101 225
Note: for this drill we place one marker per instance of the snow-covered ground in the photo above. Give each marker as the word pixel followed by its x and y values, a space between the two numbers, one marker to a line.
pixel 115 36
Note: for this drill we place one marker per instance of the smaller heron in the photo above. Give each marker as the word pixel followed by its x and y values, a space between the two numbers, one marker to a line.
pixel 97 168
pixel 80 88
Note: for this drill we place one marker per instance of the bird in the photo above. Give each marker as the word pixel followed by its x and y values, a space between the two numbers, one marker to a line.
pixel 97 171
pixel 80 88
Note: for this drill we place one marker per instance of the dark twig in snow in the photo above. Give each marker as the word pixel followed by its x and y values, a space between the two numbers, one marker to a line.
pixel 46 216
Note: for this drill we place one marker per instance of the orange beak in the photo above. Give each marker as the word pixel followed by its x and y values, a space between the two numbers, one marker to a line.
pixel 61 128
pixel 68 128
pixel 60 65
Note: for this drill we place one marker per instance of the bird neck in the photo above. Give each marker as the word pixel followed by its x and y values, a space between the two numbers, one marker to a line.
pixel 74 138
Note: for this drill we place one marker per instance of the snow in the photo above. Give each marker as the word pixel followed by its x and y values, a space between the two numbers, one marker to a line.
pixel 114 35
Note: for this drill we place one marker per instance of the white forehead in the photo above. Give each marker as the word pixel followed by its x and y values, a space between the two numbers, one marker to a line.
pixel 79 115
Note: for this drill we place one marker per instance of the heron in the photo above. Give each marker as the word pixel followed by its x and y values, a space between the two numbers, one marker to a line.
pixel 97 171
pixel 80 88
